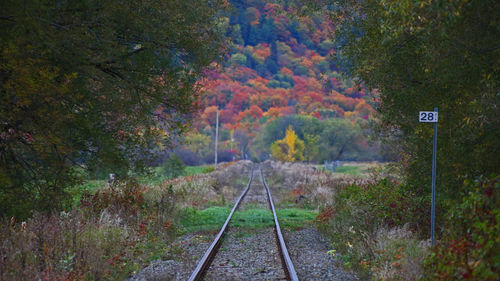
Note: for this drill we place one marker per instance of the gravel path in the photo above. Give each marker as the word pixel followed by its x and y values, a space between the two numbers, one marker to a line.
pixel 308 251
pixel 256 195
pixel 247 256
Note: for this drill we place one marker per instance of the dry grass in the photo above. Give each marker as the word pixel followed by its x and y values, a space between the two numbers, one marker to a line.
pixel 399 254
pixel 361 239
pixel 115 232
pixel 67 246
pixel 121 228
pixel 191 191
pixel 303 185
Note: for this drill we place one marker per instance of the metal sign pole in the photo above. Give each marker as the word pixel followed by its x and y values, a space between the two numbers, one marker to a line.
pixel 432 117
pixel 433 200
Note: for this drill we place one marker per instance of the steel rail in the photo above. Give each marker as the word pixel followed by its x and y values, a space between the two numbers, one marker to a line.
pixel 207 258
pixel 285 258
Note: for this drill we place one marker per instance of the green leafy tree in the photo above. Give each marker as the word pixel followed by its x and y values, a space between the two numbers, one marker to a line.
pixel 94 84
pixel 173 166
pixel 338 140
pixel 236 34
pixel 426 54
pixel 200 144
pixel 243 142
pixel 311 150
pixel 239 59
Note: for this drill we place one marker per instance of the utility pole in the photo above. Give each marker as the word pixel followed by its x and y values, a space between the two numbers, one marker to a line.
pixel 232 140
pixel 216 136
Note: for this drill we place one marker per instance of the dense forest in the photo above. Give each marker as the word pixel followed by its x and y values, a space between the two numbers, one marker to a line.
pixel 280 72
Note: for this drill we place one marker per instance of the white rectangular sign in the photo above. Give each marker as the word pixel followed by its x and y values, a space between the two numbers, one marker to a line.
pixel 428 116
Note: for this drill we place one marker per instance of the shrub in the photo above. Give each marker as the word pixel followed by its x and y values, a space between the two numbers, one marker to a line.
pixel 273 84
pixel 115 232
pixel 225 156
pixel 174 166
pixel 469 249
pixel 208 169
pixel 188 157
pixel 385 203
pixel 123 197
pixel 63 247
pixel 373 227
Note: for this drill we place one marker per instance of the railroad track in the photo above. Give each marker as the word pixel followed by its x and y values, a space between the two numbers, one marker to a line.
pixel 250 193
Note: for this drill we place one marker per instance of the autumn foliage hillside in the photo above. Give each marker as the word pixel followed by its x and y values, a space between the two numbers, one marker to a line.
pixel 279 66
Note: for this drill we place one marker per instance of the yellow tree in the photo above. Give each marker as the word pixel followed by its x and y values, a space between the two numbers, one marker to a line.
pixel 289 149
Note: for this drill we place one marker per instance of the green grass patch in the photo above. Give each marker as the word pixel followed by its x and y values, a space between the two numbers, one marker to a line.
pixel 158 174
pixel 92 185
pixel 251 217
pixel 294 218
pixel 196 170
pixel 204 220
pixel 155 177
pixel 350 170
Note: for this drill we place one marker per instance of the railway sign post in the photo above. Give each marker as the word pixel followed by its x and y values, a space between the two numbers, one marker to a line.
pixel 432 117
